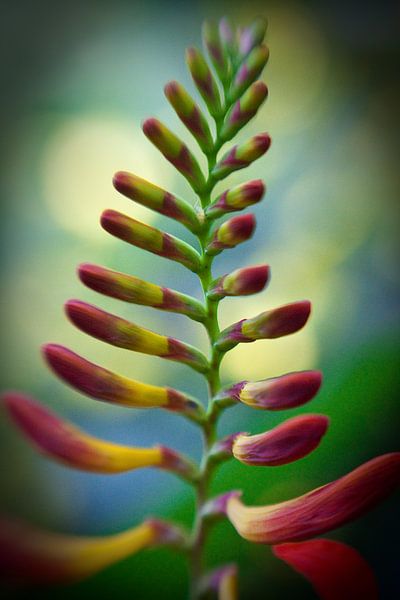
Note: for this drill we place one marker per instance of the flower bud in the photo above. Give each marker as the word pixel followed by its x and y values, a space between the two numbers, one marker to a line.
pixel 270 324
pixel 252 36
pixel 135 290
pixel 222 581
pixel 241 282
pixel 239 197
pixel 293 439
pixel 250 69
pixel 243 110
pixel 151 196
pixel 151 239
pixel 216 50
pixel 226 31
pixel 176 152
pixel 231 233
pixel 123 334
pixel 322 509
pixel 241 156
pixel 190 114
pixel 204 80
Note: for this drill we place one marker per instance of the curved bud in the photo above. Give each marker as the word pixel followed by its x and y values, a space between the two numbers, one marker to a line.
pixel 335 570
pixel 252 36
pixel 216 51
pixel 227 33
pixel 278 393
pixel 244 110
pixel 204 80
pixel 155 198
pixel 239 197
pixel 151 239
pixel 242 282
pixel 231 233
pixel 222 581
pixel 321 510
pixel 270 324
pixel 241 156
pixel 293 439
pixel 190 114
pixel 97 382
pixel 60 440
pixel 124 334
pixel 135 290
pixel 35 556
pixel 175 151
pixel 250 69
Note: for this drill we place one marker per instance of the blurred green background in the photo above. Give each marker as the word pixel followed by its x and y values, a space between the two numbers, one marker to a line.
pixel 78 80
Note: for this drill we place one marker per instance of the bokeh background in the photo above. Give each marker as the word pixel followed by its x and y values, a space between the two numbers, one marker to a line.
pixel 78 79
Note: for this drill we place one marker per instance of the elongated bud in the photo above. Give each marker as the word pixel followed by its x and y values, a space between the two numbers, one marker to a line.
pixel 221 450
pixel 241 282
pixel 190 114
pixel 231 233
pixel 243 110
pixel 279 393
pixel 135 290
pixel 216 51
pixel 151 239
pixel 97 382
pixel 176 152
pixel 60 440
pixel 35 556
pixel 284 444
pixel 204 81
pixel 321 510
pixel 239 197
pixel 227 34
pixel 250 69
pixel 270 324
pixel 334 569
pixel 123 334
pixel 241 156
pixel 151 196
pixel 252 36
pixel 221 581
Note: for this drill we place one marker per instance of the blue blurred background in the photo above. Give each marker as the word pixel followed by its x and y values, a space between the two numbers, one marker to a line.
pixel 78 80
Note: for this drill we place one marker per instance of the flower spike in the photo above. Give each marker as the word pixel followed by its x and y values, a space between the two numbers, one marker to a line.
pixel 123 334
pixel 270 324
pixel 153 197
pixel 248 71
pixel 239 197
pixel 278 393
pixel 97 382
pixel 34 556
pixel 241 156
pixel 175 151
pixel 336 571
pixel 135 290
pixel 244 110
pixel 204 81
pixel 293 439
pixel 241 282
pixel 321 510
pixel 150 239
pixel 231 233
pixel 63 442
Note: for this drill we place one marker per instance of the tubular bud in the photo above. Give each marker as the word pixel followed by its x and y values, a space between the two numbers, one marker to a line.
pixel 322 509
pixel 249 70
pixel 151 239
pixel 190 114
pixel 231 233
pixel 226 31
pixel 151 196
pixel 252 36
pixel 123 334
pixel 243 110
pixel 176 152
pixel 242 282
pixel 223 581
pixel 239 197
pixel 97 382
pixel 60 440
pixel 35 556
pixel 334 569
pixel 204 80
pixel 241 156
pixel 135 290
pixel 270 324
pixel 212 41
pixel 293 439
